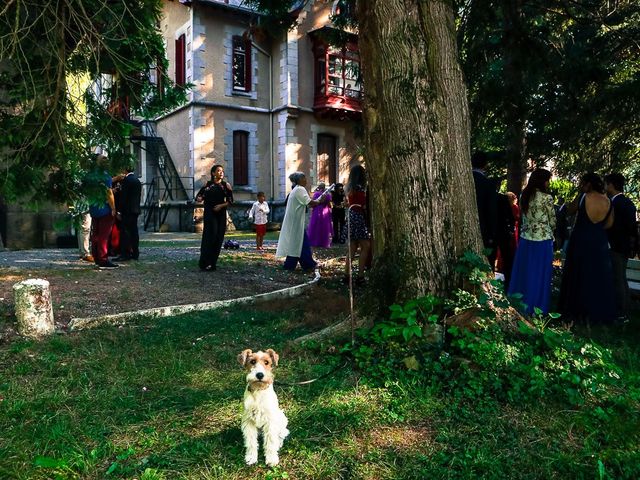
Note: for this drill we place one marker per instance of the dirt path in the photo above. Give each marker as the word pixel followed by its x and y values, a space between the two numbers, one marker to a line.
pixel 166 274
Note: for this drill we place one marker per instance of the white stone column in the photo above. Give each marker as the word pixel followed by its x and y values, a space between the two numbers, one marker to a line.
pixel 34 313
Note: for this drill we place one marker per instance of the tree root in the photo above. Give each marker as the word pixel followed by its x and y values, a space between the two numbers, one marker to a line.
pixel 333 331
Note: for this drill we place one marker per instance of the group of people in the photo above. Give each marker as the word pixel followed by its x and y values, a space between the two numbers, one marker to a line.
pixel 326 224
pixel 295 241
pixel 603 236
pixel 111 220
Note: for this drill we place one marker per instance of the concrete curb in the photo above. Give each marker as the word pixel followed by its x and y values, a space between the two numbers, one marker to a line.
pixel 123 318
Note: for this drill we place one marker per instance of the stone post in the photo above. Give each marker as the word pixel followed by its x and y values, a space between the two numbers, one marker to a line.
pixel 33 307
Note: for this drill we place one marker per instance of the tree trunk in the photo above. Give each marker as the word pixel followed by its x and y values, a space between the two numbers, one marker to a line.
pixel 416 121
pixel 514 102
pixel 34 313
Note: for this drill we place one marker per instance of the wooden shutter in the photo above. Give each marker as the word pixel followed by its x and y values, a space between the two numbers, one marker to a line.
pixel 180 60
pixel 240 157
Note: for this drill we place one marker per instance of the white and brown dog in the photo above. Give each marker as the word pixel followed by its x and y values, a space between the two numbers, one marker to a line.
pixel 261 410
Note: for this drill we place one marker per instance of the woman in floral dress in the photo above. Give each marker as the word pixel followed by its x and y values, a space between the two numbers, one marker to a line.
pixel 533 264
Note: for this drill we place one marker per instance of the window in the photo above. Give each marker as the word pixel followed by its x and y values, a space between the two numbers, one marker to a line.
pixel 240 157
pixel 241 64
pixel 338 73
pixel 180 60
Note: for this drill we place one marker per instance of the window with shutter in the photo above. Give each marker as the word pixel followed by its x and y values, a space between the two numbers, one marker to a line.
pixel 180 60
pixel 240 158
pixel 241 64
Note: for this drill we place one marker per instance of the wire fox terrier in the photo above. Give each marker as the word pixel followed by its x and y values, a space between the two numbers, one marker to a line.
pixel 261 410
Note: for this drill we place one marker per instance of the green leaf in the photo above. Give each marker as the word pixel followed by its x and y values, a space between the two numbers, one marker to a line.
pixel 112 468
pixel 48 462
pixel 411 363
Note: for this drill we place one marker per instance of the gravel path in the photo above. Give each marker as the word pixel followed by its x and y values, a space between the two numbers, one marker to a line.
pixel 166 274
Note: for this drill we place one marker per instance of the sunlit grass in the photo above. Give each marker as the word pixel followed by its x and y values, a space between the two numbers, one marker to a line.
pixel 161 400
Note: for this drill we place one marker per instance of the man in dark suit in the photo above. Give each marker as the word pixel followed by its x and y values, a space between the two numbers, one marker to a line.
pixel 130 193
pixel 487 203
pixel 623 238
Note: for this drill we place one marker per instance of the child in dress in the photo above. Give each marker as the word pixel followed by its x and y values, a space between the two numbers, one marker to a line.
pixel 258 215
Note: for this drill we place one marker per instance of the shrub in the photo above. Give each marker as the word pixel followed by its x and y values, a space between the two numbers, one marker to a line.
pixel 510 360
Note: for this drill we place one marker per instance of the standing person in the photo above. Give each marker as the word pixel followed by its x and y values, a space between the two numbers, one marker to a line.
pixel 337 212
pixel 103 212
pixel 586 292
pixel 116 228
pixel 623 239
pixel 533 263
pixel 487 203
pixel 129 210
pixel 504 238
pixel 358 230
pixel 259 216
pixel 515 209
pixel 293 242
pixel 83 233
pixel 561 211
pixel 320 227
pixel 217 196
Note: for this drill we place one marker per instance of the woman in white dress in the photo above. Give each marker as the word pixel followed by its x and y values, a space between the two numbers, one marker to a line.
pixel 293 242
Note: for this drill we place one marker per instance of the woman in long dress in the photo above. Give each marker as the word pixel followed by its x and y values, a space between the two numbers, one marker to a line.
pixel 586 293
pixel 217 196
pixel 320 228
pixel 533 263
pixel 293 242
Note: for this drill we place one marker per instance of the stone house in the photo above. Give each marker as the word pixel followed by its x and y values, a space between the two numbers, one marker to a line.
pixel 261 108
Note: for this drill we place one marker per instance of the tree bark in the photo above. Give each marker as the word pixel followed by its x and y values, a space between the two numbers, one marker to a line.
pixel 34 313
pixel 416 121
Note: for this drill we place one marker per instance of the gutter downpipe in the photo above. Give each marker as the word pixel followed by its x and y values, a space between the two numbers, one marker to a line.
pixel 268 55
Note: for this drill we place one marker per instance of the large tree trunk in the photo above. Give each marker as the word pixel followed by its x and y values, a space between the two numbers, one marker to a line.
pixel 416 147
pixel 514 101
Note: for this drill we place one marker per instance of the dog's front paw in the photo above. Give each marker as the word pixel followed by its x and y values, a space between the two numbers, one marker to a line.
pixel 251 459
pixel 272 460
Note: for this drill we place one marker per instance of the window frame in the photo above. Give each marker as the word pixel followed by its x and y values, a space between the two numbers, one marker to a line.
pixel 181 60
pixel 241 46
pixel 323 60
pixel 240 155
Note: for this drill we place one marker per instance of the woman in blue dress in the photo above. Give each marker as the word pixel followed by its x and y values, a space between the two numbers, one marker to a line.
pixel 586 293
pixel 533 263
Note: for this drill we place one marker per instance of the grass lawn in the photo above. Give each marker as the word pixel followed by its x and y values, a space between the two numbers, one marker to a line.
pixel 161 400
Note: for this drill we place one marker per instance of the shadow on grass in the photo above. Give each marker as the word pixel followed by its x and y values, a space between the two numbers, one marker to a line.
pixel 163 395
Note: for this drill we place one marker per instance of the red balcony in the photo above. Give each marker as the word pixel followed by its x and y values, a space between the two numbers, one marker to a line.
pixel 338 84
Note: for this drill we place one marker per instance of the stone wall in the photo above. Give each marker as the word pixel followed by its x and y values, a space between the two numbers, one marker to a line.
pixel 26 228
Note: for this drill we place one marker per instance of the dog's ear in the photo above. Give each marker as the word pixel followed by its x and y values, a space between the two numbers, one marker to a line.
pixel 242 356
pixel 274 356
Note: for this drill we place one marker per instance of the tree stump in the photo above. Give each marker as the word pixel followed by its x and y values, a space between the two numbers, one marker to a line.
pixel 34 313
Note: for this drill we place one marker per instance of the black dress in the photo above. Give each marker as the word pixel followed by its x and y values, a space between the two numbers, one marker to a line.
pixel 214 223
pixel 586 292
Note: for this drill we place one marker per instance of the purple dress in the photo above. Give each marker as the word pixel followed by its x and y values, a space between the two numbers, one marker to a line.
pixel 320 228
